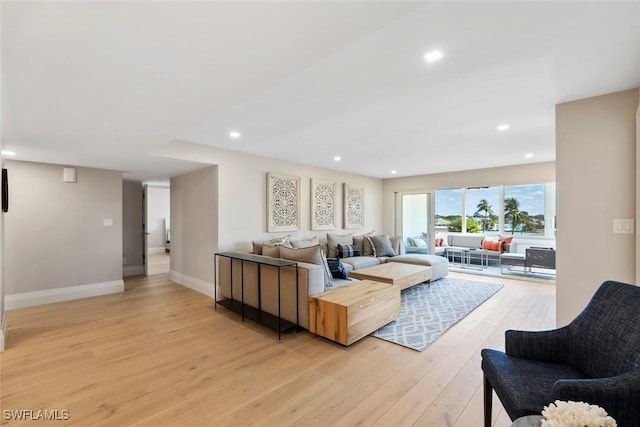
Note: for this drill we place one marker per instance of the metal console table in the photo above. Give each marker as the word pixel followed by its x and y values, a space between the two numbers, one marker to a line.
pixel 245 310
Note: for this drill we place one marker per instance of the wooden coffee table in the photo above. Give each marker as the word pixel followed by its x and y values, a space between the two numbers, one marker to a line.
pixel 351 312
pixel 395 273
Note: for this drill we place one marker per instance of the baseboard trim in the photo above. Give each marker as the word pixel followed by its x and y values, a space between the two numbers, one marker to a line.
pixel 133 270
pixel 156 250
pixel 194 283
pixel 28 299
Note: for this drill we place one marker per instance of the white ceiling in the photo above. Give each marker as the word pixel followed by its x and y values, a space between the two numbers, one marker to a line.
pixel 104 84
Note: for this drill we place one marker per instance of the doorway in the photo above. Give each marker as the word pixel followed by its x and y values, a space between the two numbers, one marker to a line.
pixel 413 220
pixel 156 228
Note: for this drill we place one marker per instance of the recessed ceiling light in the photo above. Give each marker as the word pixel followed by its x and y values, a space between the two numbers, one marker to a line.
pixel 234 134
pixel 433 56
pixel 8 153
pixel 528 155
pixel 503 127
pixel 337 158
pixel 393 172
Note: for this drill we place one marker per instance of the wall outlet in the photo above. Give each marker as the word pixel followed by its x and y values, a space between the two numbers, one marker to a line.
pixel 623 226
pixel 107 222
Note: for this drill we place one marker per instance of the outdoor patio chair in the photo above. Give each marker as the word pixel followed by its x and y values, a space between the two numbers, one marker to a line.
pixel 594 359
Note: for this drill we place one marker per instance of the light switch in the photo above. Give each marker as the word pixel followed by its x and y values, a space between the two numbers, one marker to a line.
pixel 623 226
pixel 107 222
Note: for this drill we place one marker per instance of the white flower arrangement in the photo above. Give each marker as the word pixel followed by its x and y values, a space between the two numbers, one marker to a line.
pixel 575 414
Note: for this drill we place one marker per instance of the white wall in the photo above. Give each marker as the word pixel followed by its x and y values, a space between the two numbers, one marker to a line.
pixel 596 182
pixel 242 197
pixel 132 241
pixel 56 244
pixel 194 232
pixel 158 209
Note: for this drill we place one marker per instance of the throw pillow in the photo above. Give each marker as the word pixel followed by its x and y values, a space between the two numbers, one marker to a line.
pixel 257 245
pixel 347 251
pixel 363 244
pixel 381 246
pixel 334 239
pixel 420 243
pixel 337 268
pixel 271 250
pixel 312 255
pixel 438 241
pixel 506 240
pixel 398 245
pixel 305 243
pixel 491 245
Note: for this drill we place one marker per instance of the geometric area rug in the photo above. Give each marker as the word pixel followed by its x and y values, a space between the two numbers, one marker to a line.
pixel 426 312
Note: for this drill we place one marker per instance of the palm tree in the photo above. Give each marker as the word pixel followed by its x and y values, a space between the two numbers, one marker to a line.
pixel 484 206
pixel 512 212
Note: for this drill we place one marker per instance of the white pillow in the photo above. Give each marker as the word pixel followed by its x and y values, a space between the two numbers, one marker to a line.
pixel 420 243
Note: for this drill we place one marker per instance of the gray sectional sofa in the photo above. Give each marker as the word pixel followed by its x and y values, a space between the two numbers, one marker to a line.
pixel 367 258
pixel 312 276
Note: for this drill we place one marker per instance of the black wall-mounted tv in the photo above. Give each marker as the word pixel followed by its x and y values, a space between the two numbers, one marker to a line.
pixel 5 190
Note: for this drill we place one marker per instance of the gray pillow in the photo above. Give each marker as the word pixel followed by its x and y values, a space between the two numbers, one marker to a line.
pixel 305 243
pixel 312 255
pixel 381 246
pixel 363 244
pixel 420 243
pixel 257 245
pixel 398 245
pixel 334 239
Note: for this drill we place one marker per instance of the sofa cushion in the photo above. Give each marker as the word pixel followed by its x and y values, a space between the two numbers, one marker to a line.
pixel 312 255
pixel 505 240
pixel 420 243
pixel 334 239
pixel 398 245
pixel 439 265
pixel 466 240
pixel 359 262
pixel 257 245
pixel 337 268
pixel 347 251
pixel 271 250
pixel 381 245
pixel 305 243
pixel 491 245
pixel 342 282
pixel 363 244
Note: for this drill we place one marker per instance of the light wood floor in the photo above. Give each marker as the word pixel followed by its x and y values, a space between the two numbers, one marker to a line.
pixel 159 355
pixel 158 263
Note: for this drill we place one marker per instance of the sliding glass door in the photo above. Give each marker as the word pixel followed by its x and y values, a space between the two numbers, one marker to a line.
pixel 413 220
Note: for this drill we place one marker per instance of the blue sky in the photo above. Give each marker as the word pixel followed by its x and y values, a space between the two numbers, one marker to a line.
pixel 530 196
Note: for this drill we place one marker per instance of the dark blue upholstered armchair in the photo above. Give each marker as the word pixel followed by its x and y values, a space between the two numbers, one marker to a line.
pixel 594 359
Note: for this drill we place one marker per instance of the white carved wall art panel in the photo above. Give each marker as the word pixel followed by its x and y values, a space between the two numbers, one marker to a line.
pixel 353 206
pixel 323 205
pixel 283 202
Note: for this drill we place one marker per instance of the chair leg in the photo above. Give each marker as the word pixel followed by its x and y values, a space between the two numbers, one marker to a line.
pixel 488 400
